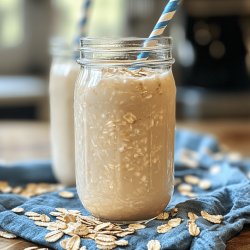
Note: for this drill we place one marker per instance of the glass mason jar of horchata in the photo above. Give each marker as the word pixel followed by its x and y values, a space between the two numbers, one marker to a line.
pixel 63 74
pixel 124 128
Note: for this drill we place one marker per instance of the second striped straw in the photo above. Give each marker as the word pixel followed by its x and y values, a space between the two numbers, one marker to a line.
pixel 82 25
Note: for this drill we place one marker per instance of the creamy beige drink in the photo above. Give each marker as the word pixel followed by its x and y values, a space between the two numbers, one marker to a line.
pixel 63 75
pixel 124 125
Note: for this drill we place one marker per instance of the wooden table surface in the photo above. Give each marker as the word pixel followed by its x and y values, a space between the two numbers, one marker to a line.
pixel 30 140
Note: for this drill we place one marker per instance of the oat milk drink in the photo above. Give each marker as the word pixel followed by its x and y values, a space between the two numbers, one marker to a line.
pixel 124 124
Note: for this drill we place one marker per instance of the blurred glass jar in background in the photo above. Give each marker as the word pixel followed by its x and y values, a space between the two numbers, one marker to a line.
pixel 63 74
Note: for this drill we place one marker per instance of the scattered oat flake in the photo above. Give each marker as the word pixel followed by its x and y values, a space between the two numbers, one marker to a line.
pixel 73 243
pixel 121 242
pixel 105 247
pixel 136 226
pixel 125 233
pixel 69 230
pixel 184 187
pixel 45 218
pixel 193 229
pixel 163 228
pixel 7 190
pixel 52 226
pixel 174 222
pixel 7 235
pixel 234 156
pixel 211 218
pixel 55 213
pixel 189 194
pixel 66 194
pixel 83 248
pixel 188 162
pixel 59 218
pixel 81 230
pixel 69 218
pixel 163 216
pixel 32 214
pixel 17 210
pixel 154 245
pixel 205 184
pixel 102 226
pixel 62 210
pixel 17 190
pixel 192 216
pixel 59 224
pixel 35 218
pixel 90 236
pixel 215 169
pixel 63 243
pixel 105 243
pixel 110 232
pixel 106 238
pixel 54 236
pixel 191 179
pixel 74 211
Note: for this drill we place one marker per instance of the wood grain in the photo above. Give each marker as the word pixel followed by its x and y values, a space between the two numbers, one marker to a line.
pixel 30 140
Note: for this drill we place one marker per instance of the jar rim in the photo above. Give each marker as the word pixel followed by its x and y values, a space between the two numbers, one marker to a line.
pixel 125 51
pixel 118 43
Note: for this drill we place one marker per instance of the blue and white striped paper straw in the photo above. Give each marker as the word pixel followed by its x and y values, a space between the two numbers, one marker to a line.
pixel 82 25
pixel 160 26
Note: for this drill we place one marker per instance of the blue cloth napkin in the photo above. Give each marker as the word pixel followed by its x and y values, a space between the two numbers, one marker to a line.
pixel 229 195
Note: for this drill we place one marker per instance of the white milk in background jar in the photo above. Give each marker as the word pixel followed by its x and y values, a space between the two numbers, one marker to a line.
pixel 124 128
pixel 63 74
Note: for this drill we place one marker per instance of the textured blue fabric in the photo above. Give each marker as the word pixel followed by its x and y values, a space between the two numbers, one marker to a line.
pixel 229 196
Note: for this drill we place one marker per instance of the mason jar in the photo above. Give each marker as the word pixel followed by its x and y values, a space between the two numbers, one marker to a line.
pixel 124 128
pixel 63 74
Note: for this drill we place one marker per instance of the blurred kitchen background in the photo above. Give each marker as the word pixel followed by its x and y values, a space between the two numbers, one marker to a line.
pixel 211 38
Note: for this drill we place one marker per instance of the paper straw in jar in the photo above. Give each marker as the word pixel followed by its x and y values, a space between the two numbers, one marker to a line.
pixel 82 25
pixel 160 26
